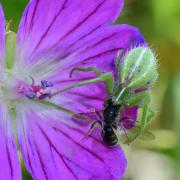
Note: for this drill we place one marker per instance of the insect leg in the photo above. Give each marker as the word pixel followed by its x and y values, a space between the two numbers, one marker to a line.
pixel 98 122
pixel 99 115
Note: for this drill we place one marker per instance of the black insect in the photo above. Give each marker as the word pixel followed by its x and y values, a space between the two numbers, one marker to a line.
pixel 110 114
pixel 112 123
pixel 108 123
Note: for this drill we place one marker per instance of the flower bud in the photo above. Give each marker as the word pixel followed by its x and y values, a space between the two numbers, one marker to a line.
pixel 138 68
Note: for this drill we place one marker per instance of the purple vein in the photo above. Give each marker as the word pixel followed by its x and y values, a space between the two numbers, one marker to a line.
pixel 26 149
pixel 88 150
pixel 73 29
pixel 89 58
pixel 77 25
pixel 33 15
pixel 50 26
pixel 53 146
pixel 98 98
pixel 92 46
pixel 81 22
pixel 9 160
pixel 41 161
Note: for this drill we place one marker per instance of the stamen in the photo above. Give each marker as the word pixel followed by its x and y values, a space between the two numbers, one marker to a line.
pixel 45 84
pixel 31 95
pixel 36 91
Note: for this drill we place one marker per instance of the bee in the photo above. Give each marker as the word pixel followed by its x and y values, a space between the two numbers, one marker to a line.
pixel 136 72
pixel 108 123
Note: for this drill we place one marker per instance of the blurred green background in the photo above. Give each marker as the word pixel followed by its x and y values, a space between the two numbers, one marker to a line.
pixel 159 21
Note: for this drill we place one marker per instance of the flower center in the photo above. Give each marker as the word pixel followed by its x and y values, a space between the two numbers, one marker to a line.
pixel 34 91
pixel 13 88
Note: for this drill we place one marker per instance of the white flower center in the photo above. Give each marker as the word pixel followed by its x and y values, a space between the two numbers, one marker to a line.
pixel 16 87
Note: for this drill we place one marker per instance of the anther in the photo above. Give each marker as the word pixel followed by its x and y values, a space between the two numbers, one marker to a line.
pixel 45 84
pixel 34 91
pixel 31 95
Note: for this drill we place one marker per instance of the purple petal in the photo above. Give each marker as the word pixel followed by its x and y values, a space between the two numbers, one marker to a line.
pixel 9 166
pixel 131 114
pixel 2 38
pixel 65 23
pixel 99 50
pixel 89 98
pixel 101 54
pixel 53 149
pixel 83 99
pixel 77 38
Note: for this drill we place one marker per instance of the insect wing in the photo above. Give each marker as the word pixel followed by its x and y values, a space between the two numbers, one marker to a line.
pixel 128 135
pixel 147 136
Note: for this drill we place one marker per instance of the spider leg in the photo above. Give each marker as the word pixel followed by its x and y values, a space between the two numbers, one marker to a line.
pixel 107 78
pixel 116 61
pixel 85 69
pixel 143 100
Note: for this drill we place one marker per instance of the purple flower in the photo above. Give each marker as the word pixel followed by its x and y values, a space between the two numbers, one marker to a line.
pixel 53 37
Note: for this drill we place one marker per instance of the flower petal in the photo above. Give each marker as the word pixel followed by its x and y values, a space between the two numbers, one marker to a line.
pixel 99 50
pixel 66 22
pixel 131 113
pixel 101 54
pixel 2 39
pixel 9 166
pixel 91 97
pixel 53 149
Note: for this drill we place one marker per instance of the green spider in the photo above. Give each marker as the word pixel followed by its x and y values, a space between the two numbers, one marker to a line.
pixel 137 71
